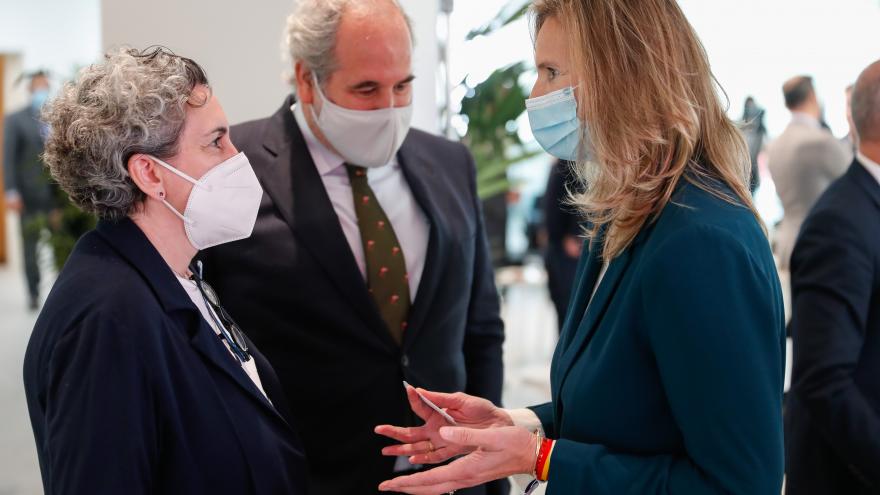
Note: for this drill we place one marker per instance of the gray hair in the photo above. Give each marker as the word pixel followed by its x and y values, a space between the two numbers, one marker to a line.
pixel 133 102
pixel 311 33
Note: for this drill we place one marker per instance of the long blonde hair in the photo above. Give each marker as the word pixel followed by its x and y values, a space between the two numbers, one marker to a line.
pixel 653 111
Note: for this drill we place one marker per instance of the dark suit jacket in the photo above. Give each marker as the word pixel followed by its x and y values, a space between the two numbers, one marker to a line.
pixel 296 289
pixel 671 382
pixel 833 410
pixel 24 171
pixel 130 391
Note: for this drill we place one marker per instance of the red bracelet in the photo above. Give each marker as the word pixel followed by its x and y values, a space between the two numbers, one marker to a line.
pixel 542 464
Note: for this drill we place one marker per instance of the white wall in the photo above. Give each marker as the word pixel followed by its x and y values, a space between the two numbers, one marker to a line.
pixel 239 44
pixel 756 45
pixel 59 35
pixel 426 114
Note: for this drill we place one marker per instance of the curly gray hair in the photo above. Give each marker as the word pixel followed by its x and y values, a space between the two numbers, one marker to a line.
pixel 133 102
pixel 311 32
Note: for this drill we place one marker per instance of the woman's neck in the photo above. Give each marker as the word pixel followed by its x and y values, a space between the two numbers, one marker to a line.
pixel 166 233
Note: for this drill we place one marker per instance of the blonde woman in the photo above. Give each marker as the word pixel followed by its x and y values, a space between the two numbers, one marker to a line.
pixel 668 374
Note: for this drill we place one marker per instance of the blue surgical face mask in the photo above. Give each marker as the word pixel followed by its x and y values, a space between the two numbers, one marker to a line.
pixel 555 123
pixel 38 98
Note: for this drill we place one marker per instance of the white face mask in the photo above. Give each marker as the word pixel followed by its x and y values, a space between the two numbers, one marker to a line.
pixel 367 138
pixel 223 204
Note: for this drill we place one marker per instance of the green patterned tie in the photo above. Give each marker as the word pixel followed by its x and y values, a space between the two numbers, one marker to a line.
pixel 386 268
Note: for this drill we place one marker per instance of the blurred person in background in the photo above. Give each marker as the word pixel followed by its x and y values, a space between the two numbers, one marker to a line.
pixel 369 263
pixel 28 188
pixel 833 408
pixel 755 133
pixel 564 227
pixel 137 380
pixel 851 140
pixel 803 161
pixel 668 375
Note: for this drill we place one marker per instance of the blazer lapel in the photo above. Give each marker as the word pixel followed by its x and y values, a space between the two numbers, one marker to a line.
pixel 131 243
pixel 293 183
pixel 583 328
pixel 206 343
pixel 417 170
pixel 582 325
pixel 591 265
pixel 866 181
pixel 277 177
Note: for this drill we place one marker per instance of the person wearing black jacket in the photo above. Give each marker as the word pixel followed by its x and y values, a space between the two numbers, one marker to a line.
pixel 137 379
pixel 369 263
pixel 26 181
pixel 833 410
pixel 564 236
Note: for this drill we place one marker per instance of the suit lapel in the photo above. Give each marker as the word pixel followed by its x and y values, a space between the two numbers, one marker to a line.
pixel 130 242
pixel 866 181
pixel 582 325
pixel 417 170
pixel 583 328
pixel 589 273
pixel 293 183
pixel 206 343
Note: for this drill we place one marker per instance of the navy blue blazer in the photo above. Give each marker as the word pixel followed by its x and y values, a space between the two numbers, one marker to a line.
pixel 130 390
pixel 833 411
pixel 671 381
pixel 296 289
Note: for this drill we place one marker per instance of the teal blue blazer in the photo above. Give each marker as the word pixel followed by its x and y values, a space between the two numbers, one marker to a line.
pixel 670 381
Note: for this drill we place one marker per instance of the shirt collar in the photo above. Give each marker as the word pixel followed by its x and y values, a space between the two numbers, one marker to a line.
pixel 872 166
pixel 325 160
pixel 805 119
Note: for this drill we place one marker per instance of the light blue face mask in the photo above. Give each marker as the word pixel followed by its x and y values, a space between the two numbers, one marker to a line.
pixel 555 123
pixel 38 98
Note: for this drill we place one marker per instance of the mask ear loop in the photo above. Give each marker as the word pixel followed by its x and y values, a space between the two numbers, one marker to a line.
pixel 187 221
pixel 182 175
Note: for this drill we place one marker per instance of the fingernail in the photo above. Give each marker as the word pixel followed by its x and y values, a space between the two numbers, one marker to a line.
pixel 446 433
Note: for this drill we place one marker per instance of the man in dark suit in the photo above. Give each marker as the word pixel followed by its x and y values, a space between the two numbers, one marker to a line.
pixel 833 411
pixel 369 263
pixel 28 189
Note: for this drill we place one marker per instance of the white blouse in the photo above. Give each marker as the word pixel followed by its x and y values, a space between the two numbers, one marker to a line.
pixel 192 290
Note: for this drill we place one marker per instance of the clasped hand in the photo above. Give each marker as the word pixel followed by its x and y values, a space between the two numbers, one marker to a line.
pixel 486 442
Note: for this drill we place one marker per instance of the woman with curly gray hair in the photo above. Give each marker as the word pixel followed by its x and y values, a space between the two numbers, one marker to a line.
pixel 137 380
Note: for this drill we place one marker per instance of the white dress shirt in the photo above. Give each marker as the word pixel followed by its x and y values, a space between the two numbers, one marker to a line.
pixel 192 290
pixel 389 184
pixel 872 166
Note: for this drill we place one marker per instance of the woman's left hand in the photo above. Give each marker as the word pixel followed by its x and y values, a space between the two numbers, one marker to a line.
pixel 500 452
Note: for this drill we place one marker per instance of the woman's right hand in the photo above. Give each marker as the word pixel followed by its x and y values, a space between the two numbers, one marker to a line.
pixel 424 444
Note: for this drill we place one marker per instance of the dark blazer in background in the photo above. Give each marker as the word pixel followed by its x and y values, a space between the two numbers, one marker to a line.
pixel 670 381
pixel 833 409
pixel 561 220
pixel 295 287
pixel 130 391
pixel 24 171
